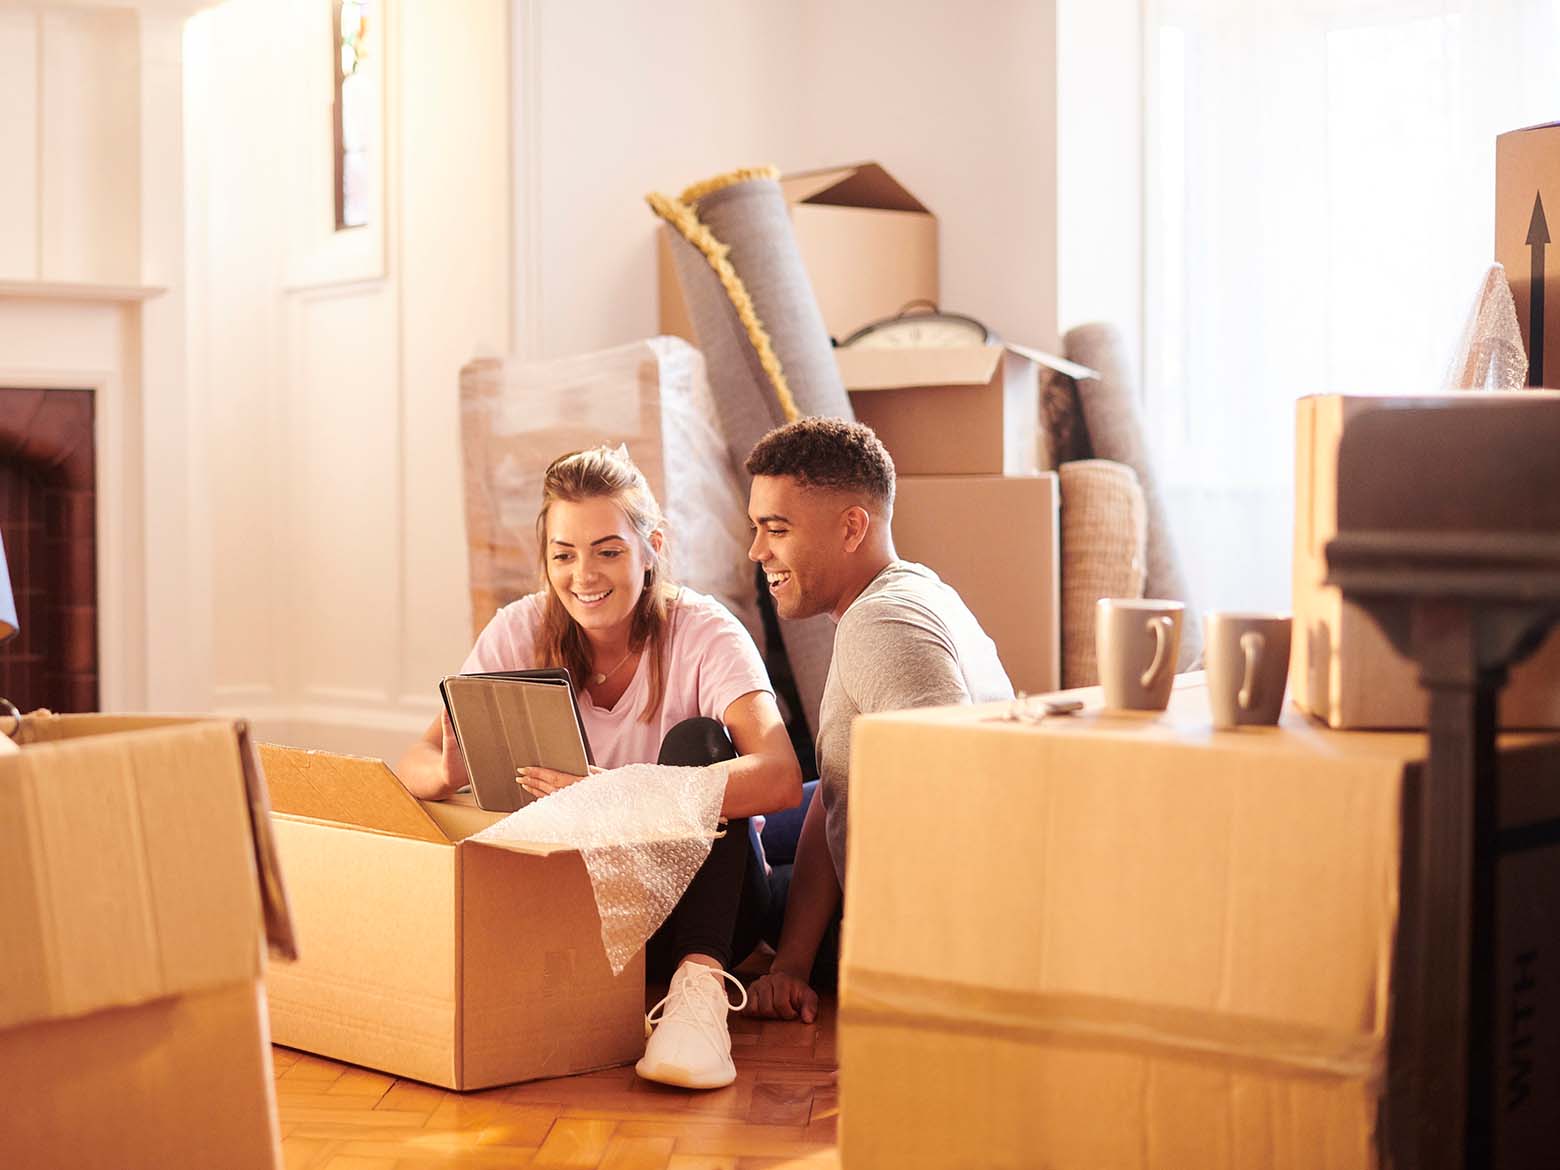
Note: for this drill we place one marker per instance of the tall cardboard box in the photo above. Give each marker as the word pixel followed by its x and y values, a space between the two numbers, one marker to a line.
pixel 1527 195
pixel 460 964
pixel 1129 941
pixel 135 869
pixel 868 244
pixel 1342 668
pixel 994 539
pixel 971 410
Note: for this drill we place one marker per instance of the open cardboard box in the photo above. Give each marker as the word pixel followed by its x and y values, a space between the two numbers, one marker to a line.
pixel 1133 941
pixel 458 963
pixel 135 873
pixel 966 410
pixel 868 244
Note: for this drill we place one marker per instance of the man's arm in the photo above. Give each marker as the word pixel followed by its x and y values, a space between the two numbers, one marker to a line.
pixel 815 895
pixel 896 660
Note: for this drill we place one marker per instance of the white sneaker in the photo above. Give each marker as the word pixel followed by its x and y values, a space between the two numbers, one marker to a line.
pixel 691 1046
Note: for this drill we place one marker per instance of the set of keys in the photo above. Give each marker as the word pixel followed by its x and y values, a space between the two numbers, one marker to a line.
pixel 1021 709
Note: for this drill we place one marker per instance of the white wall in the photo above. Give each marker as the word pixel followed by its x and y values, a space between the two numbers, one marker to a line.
pixel 959 103
pixel 1100 165
pixel 329 364
pixel 614 101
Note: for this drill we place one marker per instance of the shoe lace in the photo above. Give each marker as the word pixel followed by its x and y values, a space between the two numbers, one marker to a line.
pixel 700 1008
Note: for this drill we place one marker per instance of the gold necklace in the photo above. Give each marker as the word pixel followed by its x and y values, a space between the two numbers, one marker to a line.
pixel 598 678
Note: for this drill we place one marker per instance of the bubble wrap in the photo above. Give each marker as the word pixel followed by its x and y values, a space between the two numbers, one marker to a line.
pixel 1490 356
pixel 643 830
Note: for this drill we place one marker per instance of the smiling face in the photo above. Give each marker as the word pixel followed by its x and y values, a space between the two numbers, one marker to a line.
pixel 596 563
pixel 803 538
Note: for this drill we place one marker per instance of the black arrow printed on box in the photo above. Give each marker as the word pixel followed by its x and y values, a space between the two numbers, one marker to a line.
pixel 1537 237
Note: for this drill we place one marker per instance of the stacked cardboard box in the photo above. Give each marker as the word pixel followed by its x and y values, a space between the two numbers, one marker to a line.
pixel 1146 944
pixel 961 425
pixel 429 956
pixel 135 869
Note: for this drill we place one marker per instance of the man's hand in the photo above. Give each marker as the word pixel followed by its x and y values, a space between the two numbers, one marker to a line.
pixel 781 996
pixel 545 781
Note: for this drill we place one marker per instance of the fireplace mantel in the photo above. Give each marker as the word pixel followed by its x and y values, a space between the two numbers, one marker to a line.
pixel 68 291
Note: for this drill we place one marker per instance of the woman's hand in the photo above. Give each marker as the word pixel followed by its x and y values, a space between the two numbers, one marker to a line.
pixel 546 781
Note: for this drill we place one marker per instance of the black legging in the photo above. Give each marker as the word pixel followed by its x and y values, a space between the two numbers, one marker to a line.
pixel 722 911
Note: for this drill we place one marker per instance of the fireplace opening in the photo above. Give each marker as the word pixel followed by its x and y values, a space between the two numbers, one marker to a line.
pixel 48 519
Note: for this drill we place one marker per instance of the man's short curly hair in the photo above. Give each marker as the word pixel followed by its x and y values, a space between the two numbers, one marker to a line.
pixel 827 453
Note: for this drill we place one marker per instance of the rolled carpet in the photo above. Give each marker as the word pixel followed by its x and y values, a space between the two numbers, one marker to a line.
pixel 766 349
pixel 1104 530
pixel 1115 427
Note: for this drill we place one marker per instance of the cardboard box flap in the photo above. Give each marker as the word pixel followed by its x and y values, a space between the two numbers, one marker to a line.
pixel 529 848
pixel 43 727
pixel 865 185
pixel 1050 361
pixel 1534 126
pixel 349 790
pixel 50 728
pixel 274 909
pixel 894 369
pixel 127 861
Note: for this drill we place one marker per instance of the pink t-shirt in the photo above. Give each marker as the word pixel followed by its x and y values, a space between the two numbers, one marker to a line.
pixel 710 663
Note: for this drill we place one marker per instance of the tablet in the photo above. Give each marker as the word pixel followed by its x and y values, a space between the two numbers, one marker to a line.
pixel 505 720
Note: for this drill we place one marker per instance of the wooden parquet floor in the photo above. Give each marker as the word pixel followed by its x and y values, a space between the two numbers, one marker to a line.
pixel 781 1112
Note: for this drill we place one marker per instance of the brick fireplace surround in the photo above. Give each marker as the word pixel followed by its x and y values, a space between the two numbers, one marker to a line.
pixel 48 480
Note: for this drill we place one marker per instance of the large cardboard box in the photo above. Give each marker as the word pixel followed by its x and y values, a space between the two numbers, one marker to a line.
pixel 972 410
pixel 868 244
pixel 994 539
pixel 1342 668
pixel 1127 940
pixel 426 955
pixel 135 870
pixel 1527 167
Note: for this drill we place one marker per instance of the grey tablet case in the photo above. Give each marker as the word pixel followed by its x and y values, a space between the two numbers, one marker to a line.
pixel 514 719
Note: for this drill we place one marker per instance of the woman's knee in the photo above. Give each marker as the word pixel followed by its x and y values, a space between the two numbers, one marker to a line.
pixel 696 742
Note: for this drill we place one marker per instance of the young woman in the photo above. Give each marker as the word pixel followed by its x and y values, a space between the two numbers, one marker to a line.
pixel 664 675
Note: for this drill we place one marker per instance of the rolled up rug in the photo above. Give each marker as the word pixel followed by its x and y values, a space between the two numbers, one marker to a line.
pixel 1116 432
pixel 766 349
pixel 1104 530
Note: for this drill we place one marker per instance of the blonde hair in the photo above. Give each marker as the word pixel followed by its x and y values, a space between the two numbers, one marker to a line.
pixel 607 473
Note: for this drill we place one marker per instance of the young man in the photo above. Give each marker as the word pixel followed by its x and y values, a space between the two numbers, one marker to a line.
pixel 822 506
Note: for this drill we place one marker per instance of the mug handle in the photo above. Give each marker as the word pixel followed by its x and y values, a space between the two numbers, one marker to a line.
pixel 1161 627
pixel 1252 644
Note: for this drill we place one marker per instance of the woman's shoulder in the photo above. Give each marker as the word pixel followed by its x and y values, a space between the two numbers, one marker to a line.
pixel 695 610
pixel 697 620
pixel 527 610
pixel 520 620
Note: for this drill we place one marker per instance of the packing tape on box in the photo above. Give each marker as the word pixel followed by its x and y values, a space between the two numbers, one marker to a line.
pixel 895 1000
pixel 643 831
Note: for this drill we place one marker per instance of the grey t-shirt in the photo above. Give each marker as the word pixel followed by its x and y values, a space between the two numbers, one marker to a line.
pixel 907 641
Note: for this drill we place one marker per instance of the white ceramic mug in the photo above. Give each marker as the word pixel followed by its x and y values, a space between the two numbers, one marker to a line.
pixel 1136 642
pixel 1246 656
